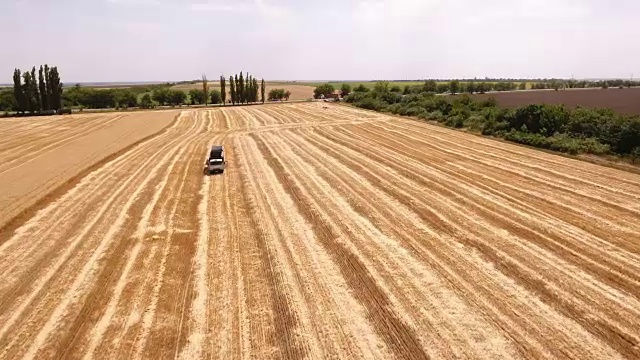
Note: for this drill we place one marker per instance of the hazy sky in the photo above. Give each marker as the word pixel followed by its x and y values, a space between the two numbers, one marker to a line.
pixel 143 40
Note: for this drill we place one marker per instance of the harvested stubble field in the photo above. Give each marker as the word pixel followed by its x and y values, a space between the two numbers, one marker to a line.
pixel 623 101
pixel 334 233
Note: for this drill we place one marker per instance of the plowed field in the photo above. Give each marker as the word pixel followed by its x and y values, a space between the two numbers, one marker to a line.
pixel 623 101
pixel 333 233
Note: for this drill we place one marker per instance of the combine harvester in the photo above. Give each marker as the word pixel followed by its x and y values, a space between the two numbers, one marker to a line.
pixel 216 162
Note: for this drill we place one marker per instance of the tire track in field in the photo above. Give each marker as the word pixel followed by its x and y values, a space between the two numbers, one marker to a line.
pixel 32 126
pixel 616 203
pixel 334 233
pixel 83 280
pixel 105 320
pixel 562 166
pixel 447 265
pixel 402 340
pixel 13 249
pixel 318 273
pixel 442 303
pixel 198 308
pixel 502 191
pixel 32 150
pixel 156 336
pixel 568 234
pixel 351 137
pixel 456 234
pixel 73 244
pixel 592 179
pixel 55 190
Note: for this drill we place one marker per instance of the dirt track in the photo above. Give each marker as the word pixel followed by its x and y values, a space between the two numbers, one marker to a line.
pixel 334 233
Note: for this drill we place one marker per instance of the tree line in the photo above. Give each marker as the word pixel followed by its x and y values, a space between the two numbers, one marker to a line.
pixel 554 127
pixel 279 94
pixel 35 94
pixel 242 90
pixel 476 87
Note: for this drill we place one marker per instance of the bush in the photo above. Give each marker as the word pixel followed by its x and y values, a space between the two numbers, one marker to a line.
pixel 413 111
pixel 475 123
pixel 455 121
pixel 635 154
pixel 216 97
pixel 146 102
pixel 276 94
pixel 371 104
pixel 562 143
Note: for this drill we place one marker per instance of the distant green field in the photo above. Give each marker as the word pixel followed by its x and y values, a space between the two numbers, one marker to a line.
pixel 368 84
pixel 371 84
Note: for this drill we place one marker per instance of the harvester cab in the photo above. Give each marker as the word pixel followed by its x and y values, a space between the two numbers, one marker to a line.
pixel 216 162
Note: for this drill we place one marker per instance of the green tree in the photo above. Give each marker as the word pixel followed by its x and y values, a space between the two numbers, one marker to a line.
pixel 126 98
pixel 454 87
pixel 396 89
pixel 345 90
pixel 196 96
pixel 161 96
pixel 34 90
pixel 216 97
pixel 18 91
pixel 205 89
pixel 325 89
pixel 48 88
pixel 482 88
pixel 431 86
pixel 471 87
pixel 232 90
pixel 254 89
pixel 635 154
pixel 277 94
pixel 381 87
pixel 176 97
pixel 7 100
pixel 442 88
pixel 56 88
pixel 44 99
pixel 247 89
pixel 223 89
pixel 240 88
pixel 27 90
pixel 287 95
pixel 361 89
pixel 263 89
pixel 146 102
pixel 523 86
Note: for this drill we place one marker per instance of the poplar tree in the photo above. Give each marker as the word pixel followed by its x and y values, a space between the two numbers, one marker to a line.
pixel 27 90
pixel 237 92
pixel 262 90
pixel 255 90
pixel 18 91
pixel 249 86
pixel 223 89
pixel 37 104
pixel 205 89
pixel 43 89
pixel 232 89
pixel 241 92
pixel 56 88
pixel 49 89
